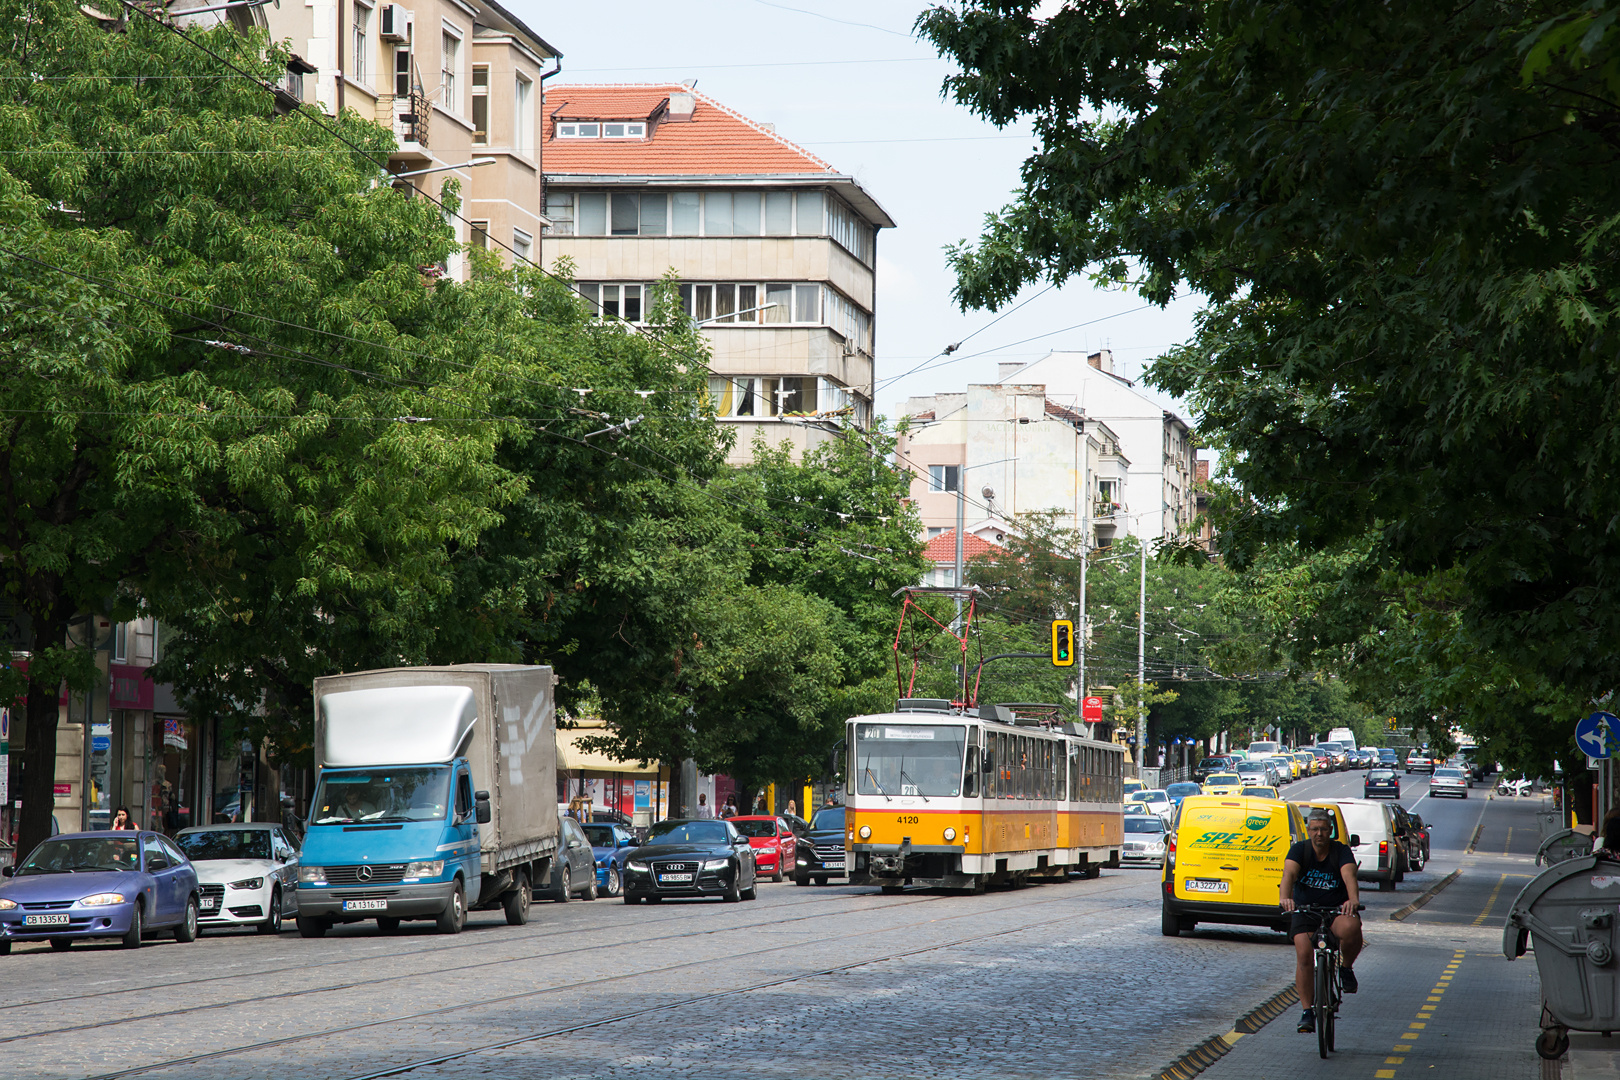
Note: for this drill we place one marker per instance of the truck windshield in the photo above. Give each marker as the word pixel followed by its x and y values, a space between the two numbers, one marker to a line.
pixel 909 759
pixel 392 794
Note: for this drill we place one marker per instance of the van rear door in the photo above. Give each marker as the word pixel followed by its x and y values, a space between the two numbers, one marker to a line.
pixel 1267 836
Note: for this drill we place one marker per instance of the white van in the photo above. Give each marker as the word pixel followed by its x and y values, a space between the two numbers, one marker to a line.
pixel 1258 750
pixel 1372 835
pixel 1344 737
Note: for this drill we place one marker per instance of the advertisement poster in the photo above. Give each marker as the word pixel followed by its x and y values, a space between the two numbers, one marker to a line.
pixel 643 795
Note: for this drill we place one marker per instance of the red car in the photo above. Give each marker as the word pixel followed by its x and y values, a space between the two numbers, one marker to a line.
pixel 772 842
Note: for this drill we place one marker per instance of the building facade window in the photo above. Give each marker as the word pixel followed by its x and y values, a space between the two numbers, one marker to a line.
pixel 480 104
pixel 560 212
pixel 610 129
pixel 449 69
pixel 523 114
pixel 480 235
pixel 729 303
pixel 944 478
pixel 402 73
pixel 522 244
pixel 767 395
pixel 709 213
pixel 360 62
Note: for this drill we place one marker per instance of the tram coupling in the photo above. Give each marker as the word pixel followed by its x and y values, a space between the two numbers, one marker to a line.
pixel 885 865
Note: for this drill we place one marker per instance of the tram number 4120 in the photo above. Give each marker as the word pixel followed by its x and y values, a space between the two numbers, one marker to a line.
pixel 907 819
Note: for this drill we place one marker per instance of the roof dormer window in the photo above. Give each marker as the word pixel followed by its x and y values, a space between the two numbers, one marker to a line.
pixel 616 129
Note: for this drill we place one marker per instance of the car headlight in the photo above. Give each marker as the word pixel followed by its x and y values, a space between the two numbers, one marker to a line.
pixel 950 834
pixel 716 864
pixel 866 832
pixel 634 865
pixel 427 868
pixel 312 875
pixel 248 883
pixel 102 899
pixel 7 905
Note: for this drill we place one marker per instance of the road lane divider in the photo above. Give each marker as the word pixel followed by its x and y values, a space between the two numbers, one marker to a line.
pixel 1478 826
pixel 1400 914
pixel 1215 1047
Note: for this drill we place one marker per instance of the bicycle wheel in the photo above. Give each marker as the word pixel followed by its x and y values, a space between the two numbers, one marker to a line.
pixel 1323 998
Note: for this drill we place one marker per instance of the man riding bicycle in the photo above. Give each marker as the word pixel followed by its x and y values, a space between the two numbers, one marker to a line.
pixel 1321 872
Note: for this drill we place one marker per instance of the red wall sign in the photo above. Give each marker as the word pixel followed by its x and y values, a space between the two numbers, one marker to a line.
pixel 131 689
pixel 1091 708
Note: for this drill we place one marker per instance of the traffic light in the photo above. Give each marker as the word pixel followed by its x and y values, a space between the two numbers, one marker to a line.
pixel 1062 643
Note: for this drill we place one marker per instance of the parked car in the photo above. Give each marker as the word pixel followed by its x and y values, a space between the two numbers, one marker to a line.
pixel 611 846
pixel 1449 782
pixel 773 843
pixel 684 857
pixel 1216 764
pixel 1380 855
pixel 1177 792
pixel 573 869
pixel 819 854
pixel 99 885
pixel 247 875
pixel 1380 783
pixel 1144 840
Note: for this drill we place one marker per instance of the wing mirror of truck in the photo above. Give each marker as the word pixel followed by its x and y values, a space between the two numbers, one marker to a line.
pixel 481 807
pixel 7 871
pixel 1355 839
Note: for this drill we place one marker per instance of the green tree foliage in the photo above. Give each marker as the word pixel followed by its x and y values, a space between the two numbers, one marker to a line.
pixel 210 319
pixel 1404 219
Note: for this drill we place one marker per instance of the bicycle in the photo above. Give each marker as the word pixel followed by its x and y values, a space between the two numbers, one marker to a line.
pixel 1327 988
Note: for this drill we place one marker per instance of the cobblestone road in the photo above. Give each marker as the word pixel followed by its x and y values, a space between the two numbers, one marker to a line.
pixel 1048 981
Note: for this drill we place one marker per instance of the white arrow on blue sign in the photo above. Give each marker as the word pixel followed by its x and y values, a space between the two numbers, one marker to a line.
pixel 1598 735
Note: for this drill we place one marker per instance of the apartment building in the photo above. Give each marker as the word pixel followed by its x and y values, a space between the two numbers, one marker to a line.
pixel 776 250
pixel 457 81
pixel 1157 497
pixel 1010 449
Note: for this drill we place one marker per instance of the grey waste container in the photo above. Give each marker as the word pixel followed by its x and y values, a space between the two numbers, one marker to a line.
pixel 1566 844
pixel 1547 822
pixel 1569 911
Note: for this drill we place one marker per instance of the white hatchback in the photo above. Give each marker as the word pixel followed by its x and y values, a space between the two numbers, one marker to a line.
pixel 247 874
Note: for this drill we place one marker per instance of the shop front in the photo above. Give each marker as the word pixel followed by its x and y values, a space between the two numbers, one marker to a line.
pixel 640 791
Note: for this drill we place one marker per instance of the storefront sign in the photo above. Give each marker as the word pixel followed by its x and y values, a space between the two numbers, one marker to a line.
pixel 130 688
pixel 62 791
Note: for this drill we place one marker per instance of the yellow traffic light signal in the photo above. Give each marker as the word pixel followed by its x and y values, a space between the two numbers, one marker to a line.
pixel 1062 643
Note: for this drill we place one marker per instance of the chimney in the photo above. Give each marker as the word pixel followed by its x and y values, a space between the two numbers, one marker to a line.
pixel 682 105
pixel 1007 369
pixel 1102 361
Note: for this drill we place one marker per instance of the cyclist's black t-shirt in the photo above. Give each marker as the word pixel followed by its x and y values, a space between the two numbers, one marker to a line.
pixel 1319 883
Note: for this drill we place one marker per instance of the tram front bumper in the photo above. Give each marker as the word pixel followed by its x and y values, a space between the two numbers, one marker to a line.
pixel 890 864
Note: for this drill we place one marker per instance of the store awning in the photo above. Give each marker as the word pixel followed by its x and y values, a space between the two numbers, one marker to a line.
pixel 572 757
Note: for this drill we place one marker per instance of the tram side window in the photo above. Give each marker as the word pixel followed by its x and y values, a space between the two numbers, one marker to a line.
pixel 1046 771
pixel 991 762
pixel 1060 770
pixel 970 771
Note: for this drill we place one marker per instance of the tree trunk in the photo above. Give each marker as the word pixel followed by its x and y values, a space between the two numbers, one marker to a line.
pixel 38 780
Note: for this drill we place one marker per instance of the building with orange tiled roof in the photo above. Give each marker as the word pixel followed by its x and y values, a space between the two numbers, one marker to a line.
pixel 776 250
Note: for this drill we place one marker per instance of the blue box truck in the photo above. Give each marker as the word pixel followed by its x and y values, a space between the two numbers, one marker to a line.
pixel 435 794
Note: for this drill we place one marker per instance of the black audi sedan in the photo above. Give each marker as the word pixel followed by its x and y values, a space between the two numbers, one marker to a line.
pixel 691 858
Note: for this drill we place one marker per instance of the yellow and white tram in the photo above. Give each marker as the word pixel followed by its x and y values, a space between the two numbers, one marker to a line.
pixel 958 797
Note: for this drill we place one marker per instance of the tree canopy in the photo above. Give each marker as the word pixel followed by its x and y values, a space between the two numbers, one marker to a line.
pixel 1403 219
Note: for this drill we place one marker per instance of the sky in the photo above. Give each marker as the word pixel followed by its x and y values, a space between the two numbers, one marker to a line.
pixel 849 82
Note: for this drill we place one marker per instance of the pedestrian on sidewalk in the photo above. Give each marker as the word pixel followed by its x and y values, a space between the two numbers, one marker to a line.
pixel 1609 847
pixel 1321 872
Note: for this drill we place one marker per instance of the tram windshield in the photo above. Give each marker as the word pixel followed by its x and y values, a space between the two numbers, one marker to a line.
pixel 909 759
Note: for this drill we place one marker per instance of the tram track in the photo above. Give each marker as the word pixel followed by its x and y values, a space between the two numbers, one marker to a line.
pixel 395 954
pixel 1092 903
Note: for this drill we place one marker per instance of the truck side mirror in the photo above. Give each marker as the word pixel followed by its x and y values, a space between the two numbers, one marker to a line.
pixel 481 807
pixel 1355 839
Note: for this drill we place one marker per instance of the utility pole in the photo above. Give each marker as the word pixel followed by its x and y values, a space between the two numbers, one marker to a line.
pixel 961 502
pixel 1080 692
pixel 1141 656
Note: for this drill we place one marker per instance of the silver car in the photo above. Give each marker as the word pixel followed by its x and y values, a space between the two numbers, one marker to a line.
pixel 1144 840
pixel 247 874
pixel 1449 782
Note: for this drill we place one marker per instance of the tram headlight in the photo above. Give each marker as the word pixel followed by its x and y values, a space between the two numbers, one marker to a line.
pixel 866 832
pixel 950 834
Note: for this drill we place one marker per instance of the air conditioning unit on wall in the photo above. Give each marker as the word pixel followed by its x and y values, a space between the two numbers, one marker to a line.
pixel 394 18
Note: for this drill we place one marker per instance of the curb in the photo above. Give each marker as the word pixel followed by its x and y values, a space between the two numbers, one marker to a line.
pixel 1478 828
pixel 1400 914
pixel 1216 1047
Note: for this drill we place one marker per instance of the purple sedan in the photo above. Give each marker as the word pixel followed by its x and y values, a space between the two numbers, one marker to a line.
pixel 99 885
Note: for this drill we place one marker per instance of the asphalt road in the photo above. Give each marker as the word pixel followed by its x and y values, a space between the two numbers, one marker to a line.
pixel 1055 980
